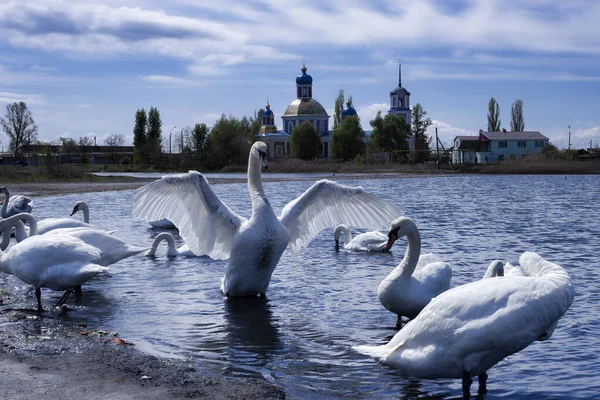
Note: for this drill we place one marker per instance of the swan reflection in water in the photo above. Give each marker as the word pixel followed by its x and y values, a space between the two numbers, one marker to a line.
pixel 252 334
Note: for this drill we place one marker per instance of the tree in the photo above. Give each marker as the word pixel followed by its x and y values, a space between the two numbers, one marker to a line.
pixel 198 139
pixel 389 133
pixel 228 142
pixel 517 123
pixel 256 122
pixel 68 150
pixel 154 136
pixel 19 126
pixel 115 141
pixel 348 139
pixel 421 138
pixel 493 116
pixel 305 141
pixel 140 137
pixel 338 108
pixel 83 147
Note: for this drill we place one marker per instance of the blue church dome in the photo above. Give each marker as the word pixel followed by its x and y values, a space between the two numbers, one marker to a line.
pixel 349 111
pixel 304 78
pixel 268 111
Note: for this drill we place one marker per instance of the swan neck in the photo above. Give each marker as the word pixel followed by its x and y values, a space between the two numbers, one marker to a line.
pixel 16 219
pixel 413 251
pixel 159 238
pixel 4 209
pixel 86 214
pixel 5 239
pixel 255 187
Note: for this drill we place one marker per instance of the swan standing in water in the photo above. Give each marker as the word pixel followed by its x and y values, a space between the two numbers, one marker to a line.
pixel 254 246
pixel 468 329
pixel 14 204
pixel 172 250
pixel 370 241
pixel 417 279
pixel 51 262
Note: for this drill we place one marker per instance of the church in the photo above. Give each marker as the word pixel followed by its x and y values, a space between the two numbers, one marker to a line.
pixel 306 108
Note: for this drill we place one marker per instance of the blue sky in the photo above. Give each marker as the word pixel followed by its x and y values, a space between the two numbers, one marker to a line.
pixel 84 67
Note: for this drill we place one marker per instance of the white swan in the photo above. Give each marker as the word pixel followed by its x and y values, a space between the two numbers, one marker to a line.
pixel 417 279
pixel 14 204
pixel 496 268
pixel 369 241
pixel 50 262
pixel 49 224
pixel 172 250
pixel 468 329
pixel 254 246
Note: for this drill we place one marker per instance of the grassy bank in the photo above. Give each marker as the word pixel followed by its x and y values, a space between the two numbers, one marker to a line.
pixel 74 173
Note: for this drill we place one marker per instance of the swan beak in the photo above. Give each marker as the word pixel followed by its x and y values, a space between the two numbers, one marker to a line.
pixel 263 159
pixel 74 211
pixel 391 240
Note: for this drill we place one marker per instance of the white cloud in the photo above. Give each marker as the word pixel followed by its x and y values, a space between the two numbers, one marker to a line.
pixel 11 97
pixel 169 80
pixel 447 132
pixel 369 112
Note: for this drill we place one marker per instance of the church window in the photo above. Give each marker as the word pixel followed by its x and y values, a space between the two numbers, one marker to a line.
pixel 290 127
pixel 321 126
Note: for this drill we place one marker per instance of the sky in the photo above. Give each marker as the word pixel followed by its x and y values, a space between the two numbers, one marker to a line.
pixel 85 67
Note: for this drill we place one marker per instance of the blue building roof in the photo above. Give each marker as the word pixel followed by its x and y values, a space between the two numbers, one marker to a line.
pixel 304 78
pixel 268 111
pixel 349 112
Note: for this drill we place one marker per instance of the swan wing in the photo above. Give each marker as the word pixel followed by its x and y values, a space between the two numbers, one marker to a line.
pixel 327 204
pixel 206 224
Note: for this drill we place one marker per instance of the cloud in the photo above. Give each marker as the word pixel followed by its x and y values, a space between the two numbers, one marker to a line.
pixel 447 132
pixel 11 97
pixel 369 112
pixel 169 80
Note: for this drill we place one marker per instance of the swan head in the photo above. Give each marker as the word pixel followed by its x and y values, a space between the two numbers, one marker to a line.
pixel 79 206
pixel 4 190
pixel 399 227
pixel 259 150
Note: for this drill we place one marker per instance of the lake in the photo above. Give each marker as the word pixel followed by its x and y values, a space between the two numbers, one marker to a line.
pixel 321 303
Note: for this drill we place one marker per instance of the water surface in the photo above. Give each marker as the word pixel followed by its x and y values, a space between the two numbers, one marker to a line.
pixel 321 303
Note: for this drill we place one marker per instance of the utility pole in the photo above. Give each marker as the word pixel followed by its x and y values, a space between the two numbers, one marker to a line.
pixel 569 137
pixel 437 148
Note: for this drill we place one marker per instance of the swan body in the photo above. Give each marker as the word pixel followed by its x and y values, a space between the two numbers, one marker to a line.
pixel 466 330
pixel 172 250
pixel 112 249
pixel 417 279
pixel 162 224
pixel 14 204
pixel 254 246
pixel 51 262
pixel 370 241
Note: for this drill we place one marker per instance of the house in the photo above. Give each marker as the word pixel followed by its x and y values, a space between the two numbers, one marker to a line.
pixel 500 146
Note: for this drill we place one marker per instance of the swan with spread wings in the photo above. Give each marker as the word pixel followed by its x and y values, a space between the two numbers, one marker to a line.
pixel 254 246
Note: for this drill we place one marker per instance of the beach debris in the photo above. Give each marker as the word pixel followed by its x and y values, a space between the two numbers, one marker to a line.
pixel 122 342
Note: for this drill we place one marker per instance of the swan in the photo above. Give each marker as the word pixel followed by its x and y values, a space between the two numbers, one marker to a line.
pixel 50 262
pixel 172 250
pixel 14 204
pixel 254 246
pixel 468 329
pixel 496 268
pixel 162 224
pixel 49 224
pixel 417 279
pixel 370 241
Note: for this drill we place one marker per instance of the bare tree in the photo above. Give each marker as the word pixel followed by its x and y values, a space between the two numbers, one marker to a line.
pixel 19 126
pixel 493 116
pixel 517 123
pixel 115 141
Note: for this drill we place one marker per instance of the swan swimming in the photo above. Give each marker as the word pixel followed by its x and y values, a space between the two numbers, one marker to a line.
pixel 172 250
pixel 468 329
pixel 254 246
pixel 370 241
pixel 417 279
pixel 50 262
pixel 14 204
